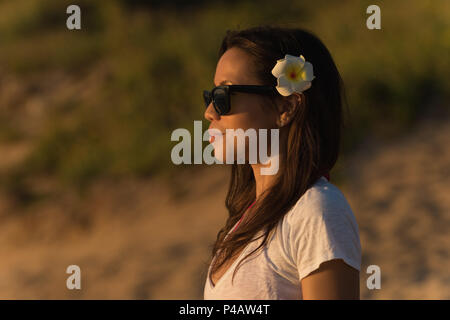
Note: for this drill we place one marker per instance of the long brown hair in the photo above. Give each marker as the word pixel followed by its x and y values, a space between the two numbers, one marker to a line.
pixel 313 140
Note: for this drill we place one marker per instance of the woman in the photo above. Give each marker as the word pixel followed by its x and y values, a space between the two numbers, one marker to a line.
pixel 289 235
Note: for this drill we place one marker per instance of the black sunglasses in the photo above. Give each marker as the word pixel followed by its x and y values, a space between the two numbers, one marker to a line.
pixel 220 96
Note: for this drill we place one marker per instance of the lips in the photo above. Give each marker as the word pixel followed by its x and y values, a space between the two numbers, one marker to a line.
pixel 213 133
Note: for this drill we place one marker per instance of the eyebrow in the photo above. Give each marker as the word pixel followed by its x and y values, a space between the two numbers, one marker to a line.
pixel 225 82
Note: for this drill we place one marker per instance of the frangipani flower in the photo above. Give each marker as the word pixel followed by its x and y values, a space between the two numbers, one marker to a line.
pixel 293 74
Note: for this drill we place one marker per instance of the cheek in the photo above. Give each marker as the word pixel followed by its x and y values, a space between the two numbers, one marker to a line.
pixel 232 148
pixel 252 116
pixel 258 119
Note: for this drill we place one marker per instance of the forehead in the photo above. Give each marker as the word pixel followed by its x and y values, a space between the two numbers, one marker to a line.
pixel 235 65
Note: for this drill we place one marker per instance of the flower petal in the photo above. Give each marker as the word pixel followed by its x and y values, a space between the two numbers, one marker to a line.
pixel 284 91
pixel 283 81
pixel 300 86
pixel 284 86
pixel 279 67
pixel 297 60
pixel 309 71
pixel 290 56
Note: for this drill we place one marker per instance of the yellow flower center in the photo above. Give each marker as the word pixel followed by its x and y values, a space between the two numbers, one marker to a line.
pixel 295 73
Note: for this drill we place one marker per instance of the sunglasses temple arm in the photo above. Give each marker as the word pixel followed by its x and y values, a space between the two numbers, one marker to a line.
pixel 254 90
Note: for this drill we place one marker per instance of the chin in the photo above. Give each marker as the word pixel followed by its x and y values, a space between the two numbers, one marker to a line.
pixel 220 151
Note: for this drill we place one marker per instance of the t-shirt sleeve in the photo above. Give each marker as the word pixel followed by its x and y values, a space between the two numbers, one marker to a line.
pixel 322 228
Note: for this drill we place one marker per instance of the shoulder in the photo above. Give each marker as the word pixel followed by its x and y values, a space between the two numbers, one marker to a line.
pixel 318 228
pixel 323 201
pixel 321 227
pixel 322 220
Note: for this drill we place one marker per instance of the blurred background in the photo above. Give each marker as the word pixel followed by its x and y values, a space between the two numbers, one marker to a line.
pixel 85 124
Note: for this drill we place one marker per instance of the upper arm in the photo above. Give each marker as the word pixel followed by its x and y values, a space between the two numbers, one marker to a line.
pixel 334 279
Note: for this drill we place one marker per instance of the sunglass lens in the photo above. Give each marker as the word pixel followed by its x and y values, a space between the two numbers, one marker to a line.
pixel 220 99
pixel 207 97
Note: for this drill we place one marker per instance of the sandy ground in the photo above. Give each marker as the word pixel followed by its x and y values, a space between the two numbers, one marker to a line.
pixel 152 239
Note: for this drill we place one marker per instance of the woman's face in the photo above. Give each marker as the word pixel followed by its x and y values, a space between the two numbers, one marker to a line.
pixel 248 110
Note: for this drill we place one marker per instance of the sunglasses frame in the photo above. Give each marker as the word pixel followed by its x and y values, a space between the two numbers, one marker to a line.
pixel 208 96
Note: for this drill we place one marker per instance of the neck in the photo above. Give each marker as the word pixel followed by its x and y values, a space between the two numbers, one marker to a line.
pixel 265 181
pixel 262 182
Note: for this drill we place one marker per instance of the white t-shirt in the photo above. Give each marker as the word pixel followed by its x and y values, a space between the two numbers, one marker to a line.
pixel 320 227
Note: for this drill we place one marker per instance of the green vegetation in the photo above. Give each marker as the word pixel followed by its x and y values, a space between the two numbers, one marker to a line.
pixel 154 61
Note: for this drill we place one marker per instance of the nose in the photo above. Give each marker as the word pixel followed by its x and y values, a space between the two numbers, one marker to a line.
pixel 210 113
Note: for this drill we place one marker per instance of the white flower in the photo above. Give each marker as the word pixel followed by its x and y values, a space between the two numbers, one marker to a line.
pixel 293 74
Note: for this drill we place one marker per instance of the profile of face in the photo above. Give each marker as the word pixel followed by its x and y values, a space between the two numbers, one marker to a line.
pixel 248 110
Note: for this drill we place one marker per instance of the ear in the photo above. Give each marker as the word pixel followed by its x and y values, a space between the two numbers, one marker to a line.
pixel 291 104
